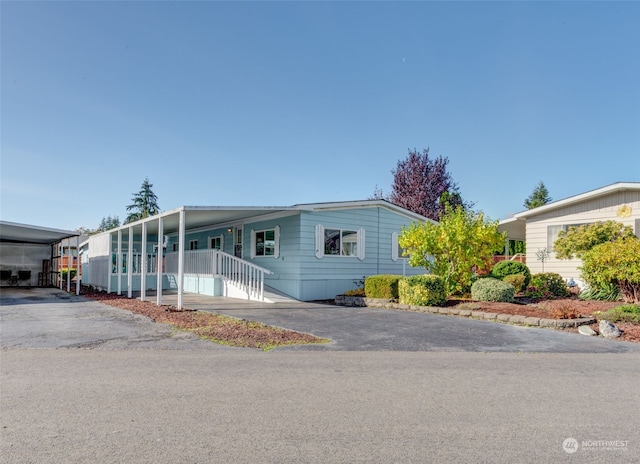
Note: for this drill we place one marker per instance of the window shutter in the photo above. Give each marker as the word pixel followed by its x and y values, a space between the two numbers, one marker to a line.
pixel 221 242
pixel 319 241
pixel 253 243
pixel 276 238
pixel 394 246
pixel 361 244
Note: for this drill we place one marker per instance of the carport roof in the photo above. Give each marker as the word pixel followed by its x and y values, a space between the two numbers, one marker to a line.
pixel 26 233
pixel 200 216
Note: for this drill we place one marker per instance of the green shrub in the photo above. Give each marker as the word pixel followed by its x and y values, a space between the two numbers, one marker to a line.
pixel 624 313
pixel 64 271
pixel 505 268
pixel 615 263
pixel 355 292
pixel 517 280
pixel 382 286
pixel 603 292
pixel 490 289
pixel 546 285
pixel 422 290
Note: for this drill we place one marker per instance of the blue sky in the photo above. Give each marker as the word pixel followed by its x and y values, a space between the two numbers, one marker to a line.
pixel 279 103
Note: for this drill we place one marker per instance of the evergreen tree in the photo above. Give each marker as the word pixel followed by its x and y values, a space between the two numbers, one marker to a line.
pixel 145 203
pixel 539 197
pixel 108 223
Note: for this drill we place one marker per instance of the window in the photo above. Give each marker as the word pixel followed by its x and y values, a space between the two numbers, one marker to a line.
pixel 216 243
pixel 174 247
pixel 553 231
pixel 397 252
pixel 265 242
pixel 193 244
pixel 339 242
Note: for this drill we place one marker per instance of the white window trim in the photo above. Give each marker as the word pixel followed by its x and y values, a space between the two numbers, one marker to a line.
pixel 191 242
pixel 395 256
pixel 276 245
pixel 360 253
pixel 221 237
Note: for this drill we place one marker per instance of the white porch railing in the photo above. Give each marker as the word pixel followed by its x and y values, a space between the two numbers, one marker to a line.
pixel 215 263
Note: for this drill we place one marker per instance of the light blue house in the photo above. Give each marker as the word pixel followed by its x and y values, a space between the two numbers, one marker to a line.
pixel 308 252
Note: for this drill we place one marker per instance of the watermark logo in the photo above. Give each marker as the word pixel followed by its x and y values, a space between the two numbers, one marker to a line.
pixel 570 445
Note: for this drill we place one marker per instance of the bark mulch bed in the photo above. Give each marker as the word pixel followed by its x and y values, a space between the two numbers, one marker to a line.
pixel 215 327
pixel 561 308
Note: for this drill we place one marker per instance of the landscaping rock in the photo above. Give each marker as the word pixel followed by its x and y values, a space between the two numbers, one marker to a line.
pixel 532 321
pixel 586 330
pixel 504 317
pixel 608 330
pixel 517 319
pixel 490 316
pixel 548 323
pixel 465 312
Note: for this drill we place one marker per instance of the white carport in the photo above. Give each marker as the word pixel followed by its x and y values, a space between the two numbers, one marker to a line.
pixel 178 221
pixel 25 246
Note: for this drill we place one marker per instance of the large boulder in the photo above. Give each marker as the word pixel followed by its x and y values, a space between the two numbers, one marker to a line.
pixel 608 330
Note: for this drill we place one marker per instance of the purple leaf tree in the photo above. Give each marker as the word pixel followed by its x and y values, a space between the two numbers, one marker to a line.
pixel 423 185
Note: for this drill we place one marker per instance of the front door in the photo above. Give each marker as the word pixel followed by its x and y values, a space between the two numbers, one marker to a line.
pixel 237 242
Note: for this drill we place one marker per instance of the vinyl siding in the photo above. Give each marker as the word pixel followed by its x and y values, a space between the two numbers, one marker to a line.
pixel 597 209
pixel 297 271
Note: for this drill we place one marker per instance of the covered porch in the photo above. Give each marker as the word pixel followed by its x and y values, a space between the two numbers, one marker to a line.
pixel 134 259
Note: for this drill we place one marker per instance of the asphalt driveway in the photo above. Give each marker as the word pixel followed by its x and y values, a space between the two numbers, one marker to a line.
pixel 372 329
pixel 50 318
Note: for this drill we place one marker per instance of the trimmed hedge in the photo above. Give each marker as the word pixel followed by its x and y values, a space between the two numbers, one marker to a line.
pixel 490 289
pixel 505 268
pixel 382 286
pixel 422 290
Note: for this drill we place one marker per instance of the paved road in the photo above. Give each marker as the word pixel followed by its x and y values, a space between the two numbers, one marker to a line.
pixel 143 395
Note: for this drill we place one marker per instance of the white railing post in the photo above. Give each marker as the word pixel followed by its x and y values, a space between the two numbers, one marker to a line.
pixel 216 263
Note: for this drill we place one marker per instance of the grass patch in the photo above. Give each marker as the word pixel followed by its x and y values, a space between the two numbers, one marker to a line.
pixel 624 313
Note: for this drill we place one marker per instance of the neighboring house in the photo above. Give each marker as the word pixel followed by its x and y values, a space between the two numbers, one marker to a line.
pixel 307 252
pixel 540 226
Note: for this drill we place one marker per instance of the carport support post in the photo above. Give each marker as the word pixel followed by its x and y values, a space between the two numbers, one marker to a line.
pixel 143 263
pixel 69 263
pixel 130 264
pixel 159 261
pixel 181 234
pixel 78 275
pixel 119 262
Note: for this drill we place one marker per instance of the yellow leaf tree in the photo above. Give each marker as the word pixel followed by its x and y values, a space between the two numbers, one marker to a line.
pixel 454 248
